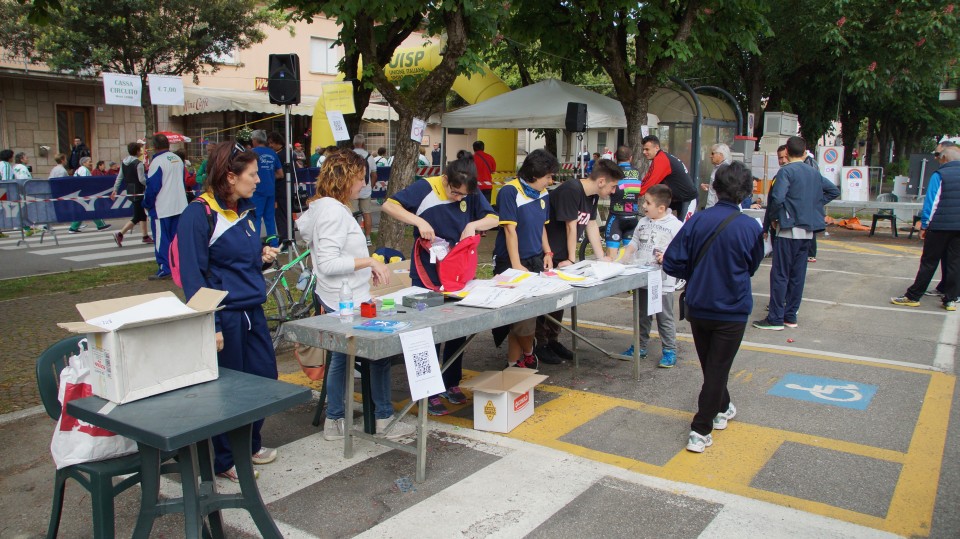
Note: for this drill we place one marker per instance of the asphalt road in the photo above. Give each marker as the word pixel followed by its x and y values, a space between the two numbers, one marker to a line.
pixel 847 426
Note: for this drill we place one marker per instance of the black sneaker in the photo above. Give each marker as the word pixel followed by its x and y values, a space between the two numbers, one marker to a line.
pixel 561 350
pixel 766 324
pixel 546 355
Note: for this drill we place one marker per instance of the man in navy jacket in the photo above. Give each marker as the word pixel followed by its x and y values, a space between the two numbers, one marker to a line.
pixel 794 212
pixel 940 230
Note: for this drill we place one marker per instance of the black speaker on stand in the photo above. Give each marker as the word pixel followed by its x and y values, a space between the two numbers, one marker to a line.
pixel 283 84
pixel 576 121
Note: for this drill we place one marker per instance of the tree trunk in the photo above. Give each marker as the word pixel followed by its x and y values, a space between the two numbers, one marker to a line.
pixel 550 141
pixel 391 231
pixel 871 133
pixel 636 113
pixel 149 118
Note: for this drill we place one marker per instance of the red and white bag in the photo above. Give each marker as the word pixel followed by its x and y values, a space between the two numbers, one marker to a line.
pixel 75 441
pixel 456 269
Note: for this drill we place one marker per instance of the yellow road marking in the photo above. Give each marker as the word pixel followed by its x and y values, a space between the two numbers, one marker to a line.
pixel 911 509
pixel 744 449
pixel 849 247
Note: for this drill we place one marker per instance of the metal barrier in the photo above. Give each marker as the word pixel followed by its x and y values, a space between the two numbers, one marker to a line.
pixel 38 210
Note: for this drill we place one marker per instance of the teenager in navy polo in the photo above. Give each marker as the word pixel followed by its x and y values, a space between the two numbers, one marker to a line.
pixel 449 207
pixel 524 209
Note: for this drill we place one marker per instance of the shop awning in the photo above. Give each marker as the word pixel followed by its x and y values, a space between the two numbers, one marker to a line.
pixel 198 100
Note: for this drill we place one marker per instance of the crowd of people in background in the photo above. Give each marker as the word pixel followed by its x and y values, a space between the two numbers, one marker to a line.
pixel 241 189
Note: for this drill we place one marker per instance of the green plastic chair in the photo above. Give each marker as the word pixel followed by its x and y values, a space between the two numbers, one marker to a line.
pixel 96 477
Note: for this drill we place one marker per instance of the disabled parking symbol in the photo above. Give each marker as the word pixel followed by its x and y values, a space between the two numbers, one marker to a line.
pixel 830 391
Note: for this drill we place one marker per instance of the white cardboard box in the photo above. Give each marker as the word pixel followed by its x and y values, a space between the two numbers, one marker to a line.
pixel 149 344
pixel 503 399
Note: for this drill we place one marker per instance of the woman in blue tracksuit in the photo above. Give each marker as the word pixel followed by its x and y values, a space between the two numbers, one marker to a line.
pixel 220 249
pixel 719 298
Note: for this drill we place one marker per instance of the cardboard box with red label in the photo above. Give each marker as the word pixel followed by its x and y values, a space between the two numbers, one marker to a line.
pixel 503 399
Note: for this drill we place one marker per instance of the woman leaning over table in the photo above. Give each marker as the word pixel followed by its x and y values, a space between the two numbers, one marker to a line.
pixel 230 257
pixel 449 207
pixel 338 248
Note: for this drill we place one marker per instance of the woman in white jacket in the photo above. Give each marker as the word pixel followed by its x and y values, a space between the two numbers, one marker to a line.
pixel 339 252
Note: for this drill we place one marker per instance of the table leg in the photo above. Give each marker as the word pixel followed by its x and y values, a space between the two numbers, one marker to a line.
pixel 422 441
pixel 252 502
pixel 189 477
pixel 208 485
pixel 366 392
pixel 573 325
pixel 636 334
pixel 348 407
pixel 149 490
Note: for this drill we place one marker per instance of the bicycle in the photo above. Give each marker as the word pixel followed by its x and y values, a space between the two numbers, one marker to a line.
pixel 290 304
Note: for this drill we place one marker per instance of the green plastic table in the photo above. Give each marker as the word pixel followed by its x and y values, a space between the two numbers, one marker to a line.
pixel 184 420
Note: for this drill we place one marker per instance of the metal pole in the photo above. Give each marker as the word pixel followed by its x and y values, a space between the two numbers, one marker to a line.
pixel 697 123
pixel 289 169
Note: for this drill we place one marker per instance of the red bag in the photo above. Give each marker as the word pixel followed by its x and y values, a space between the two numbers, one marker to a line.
pixel 455 270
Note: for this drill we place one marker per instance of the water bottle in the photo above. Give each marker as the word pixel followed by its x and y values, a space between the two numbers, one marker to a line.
pixel 346 302
pixel 303 280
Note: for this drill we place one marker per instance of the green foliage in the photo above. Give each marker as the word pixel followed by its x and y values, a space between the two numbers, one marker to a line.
pixel 138 37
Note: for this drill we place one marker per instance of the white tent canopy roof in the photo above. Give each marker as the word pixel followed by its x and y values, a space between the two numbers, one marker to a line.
pixel 198 100
pixel 542 105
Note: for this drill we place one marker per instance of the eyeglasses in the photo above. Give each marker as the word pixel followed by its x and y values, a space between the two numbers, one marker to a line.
pixel 457 193
pixel 237 148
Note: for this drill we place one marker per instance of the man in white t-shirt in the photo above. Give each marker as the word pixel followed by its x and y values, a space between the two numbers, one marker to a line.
pixel 364 204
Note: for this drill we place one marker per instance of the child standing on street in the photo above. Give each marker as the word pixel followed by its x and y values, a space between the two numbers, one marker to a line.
pixel 653 234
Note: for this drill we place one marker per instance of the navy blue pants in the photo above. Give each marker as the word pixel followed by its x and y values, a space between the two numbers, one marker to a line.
pixel 246 348
pixel 268 214
pixel 163 231
pixel 787 276
pixel 453 375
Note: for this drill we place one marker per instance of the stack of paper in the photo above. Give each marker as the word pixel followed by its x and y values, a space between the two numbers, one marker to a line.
pixel 492 297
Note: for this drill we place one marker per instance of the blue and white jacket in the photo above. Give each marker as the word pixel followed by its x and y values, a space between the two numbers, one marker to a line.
pixel 229 259
pixel 941 205
pixel 165 195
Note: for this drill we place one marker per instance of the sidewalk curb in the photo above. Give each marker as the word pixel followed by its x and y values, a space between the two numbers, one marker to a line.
pixel 21 414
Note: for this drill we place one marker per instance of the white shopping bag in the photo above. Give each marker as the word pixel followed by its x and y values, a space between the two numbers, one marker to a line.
pixel 75 441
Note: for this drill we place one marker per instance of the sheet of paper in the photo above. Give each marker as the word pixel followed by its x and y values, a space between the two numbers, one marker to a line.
pixel 153 309
pixel 654 292
pixel 541 286
pixel 423 368
pixel 492 297
pixel 338 125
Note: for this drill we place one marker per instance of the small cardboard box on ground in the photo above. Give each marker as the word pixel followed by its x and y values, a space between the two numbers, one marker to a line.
pixel 149 344
pixel 503 399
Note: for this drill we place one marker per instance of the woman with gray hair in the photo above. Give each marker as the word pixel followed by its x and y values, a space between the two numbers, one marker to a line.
pixel 719 155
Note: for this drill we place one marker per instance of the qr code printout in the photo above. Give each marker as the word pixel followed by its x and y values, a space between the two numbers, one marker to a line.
pixel 421 364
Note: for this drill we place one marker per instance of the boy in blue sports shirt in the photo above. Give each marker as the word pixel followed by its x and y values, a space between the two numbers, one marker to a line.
pixel 524 209
pixel 650 240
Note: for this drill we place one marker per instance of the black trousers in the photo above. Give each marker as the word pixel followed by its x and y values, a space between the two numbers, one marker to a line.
pixel 938 245
pixel 717 344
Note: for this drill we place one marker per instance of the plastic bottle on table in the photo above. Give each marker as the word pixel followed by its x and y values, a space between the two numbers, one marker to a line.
pixel 346 302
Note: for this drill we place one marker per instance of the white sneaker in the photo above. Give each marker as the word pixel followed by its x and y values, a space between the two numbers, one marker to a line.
pixel 266 455
pixel 398 430
pixel 720 422
pixel 697 443
pixel 333 429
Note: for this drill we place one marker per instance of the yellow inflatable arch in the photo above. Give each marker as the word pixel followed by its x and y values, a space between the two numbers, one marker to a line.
pixel 500 143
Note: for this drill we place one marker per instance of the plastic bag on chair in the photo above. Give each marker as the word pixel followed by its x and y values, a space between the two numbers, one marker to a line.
pixel 75 441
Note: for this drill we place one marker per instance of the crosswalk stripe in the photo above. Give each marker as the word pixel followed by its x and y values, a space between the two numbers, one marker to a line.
pixel 125 262
pixel 497 489
pixel 116 253
pixel 33 242
pixel 75 249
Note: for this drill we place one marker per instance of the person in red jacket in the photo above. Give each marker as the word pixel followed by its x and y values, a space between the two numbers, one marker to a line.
pixel 670 171
pixel 486 166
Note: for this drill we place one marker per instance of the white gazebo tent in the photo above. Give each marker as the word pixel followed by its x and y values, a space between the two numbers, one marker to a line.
pixel 540 106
